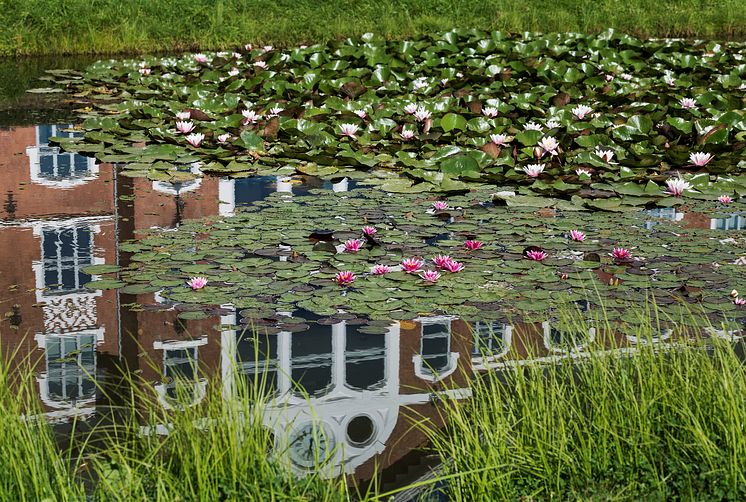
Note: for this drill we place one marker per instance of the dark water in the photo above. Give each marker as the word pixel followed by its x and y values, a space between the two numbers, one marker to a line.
pixel 62 212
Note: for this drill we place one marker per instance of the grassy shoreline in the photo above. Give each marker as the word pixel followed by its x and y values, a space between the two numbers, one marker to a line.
pixel 43 27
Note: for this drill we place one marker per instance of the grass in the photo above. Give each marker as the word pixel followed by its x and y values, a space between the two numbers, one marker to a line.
pixel 654 425
pixel 43 27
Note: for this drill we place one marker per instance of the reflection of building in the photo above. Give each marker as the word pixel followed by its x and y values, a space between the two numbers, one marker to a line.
pixel 60 221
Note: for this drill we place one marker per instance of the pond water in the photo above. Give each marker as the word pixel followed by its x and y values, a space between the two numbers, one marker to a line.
pixel 358 372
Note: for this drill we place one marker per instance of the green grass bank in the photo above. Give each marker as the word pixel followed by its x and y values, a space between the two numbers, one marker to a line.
pixel 44 27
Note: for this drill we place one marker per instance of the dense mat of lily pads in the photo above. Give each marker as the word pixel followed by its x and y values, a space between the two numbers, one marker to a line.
pixel 394 256
pixel 604 117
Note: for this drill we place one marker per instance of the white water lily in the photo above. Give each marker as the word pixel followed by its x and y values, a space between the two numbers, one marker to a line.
pixel 676 186
pixel 224 138
pixel 533 170
pixel 200 58
pixel 274 111
pixel 553 124
pixel 360 113
pixel 422 115
pixel 606 155
pixel 490 112
pixel 184 126
pixel 410 109
pixel 348 130
pixel 406 134
pixel 669 80
pixel 626 76
pixel 549 144
pixel 700 158
pixel 195 139
pixel 581 111
pixel 250 117
pixel 582 172
pixel 233 72
pixel 688 103
pixel 501 139
pixel 533 126
pixel 260 64
pixel 183 115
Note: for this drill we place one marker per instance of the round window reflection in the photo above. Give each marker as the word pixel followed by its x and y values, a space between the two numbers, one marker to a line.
pixel 360 431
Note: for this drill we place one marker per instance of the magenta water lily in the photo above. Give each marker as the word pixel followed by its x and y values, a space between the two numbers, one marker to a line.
pixel 452 266
pixel 725 199
pixel 536 255
pixel 344 278
pixel 621 254
pixel 577 235
pixel 440 260
pixel 440 205
pixel 381 269
pixel 430 276
pixel 353 245
pixel 412 265
pixel 197 283
pixel 473 245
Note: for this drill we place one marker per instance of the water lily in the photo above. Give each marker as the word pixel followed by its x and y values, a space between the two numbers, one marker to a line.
pixel 410 109
pixel 369 230
pixel 260 64
pixel 581 111
pixel 676 186
pixel 688 103
pixel 577 235
pixel 533 170
pixel 490 112
pixel 582 172
pixel 700 158
pixel 184 126
pixel 195 139
pixel 430 276
pixel 223 138
pixel 360 113
pixel 536 255
pixel 344 278
pixel 381 269
pixel 621 254
pixel 453 266
pixel 406 134
pixel 605 155
pixel 440 260
pixel 725 199
pixel 626 76
pixel 533 126
pixel 248 47
pixel 473 245
pixel 267 48
pixel 500 139
pixel 549 144
pixel 608 77
pixel 348 130
pixel 200 58
pixel 422 115
pixel 553 124
pixel 250 117
pixel 274 112
pixel 144 71
pixel 353 245
pixel 669 79
pixel 419 83
pixel 412 265
pixel 739 301
pixel 440 205
pixel 197 283
pixel 233 72
pixel 186 115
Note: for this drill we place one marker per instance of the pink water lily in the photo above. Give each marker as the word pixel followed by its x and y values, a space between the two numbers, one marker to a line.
pixel 353 245
pixel 410 109
pixel 577 235
pixel 200 58
pixel 440 260
pixel 500 139
pixel 700 158
pixel 197 283
pixel 195 139
pixel 406 134
pixel 453 266
pixel 186 115
pixel 184 127
pixel 250 117
pixel 676 186
pixel 549 144
pixel 536 255
pixel 411 265
pixel 360 113
pixel 473 245
pixel 348 130
pixel 688 103
pixel 369 230
pixel 344 278
pixel 430 276
pixel 725 199
pixel 581 111
pixel 489 112
pixel 739 301
pixel 621 254
pixel 381 269
pixel 533 170
pixel 223 138
pixel 440 205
